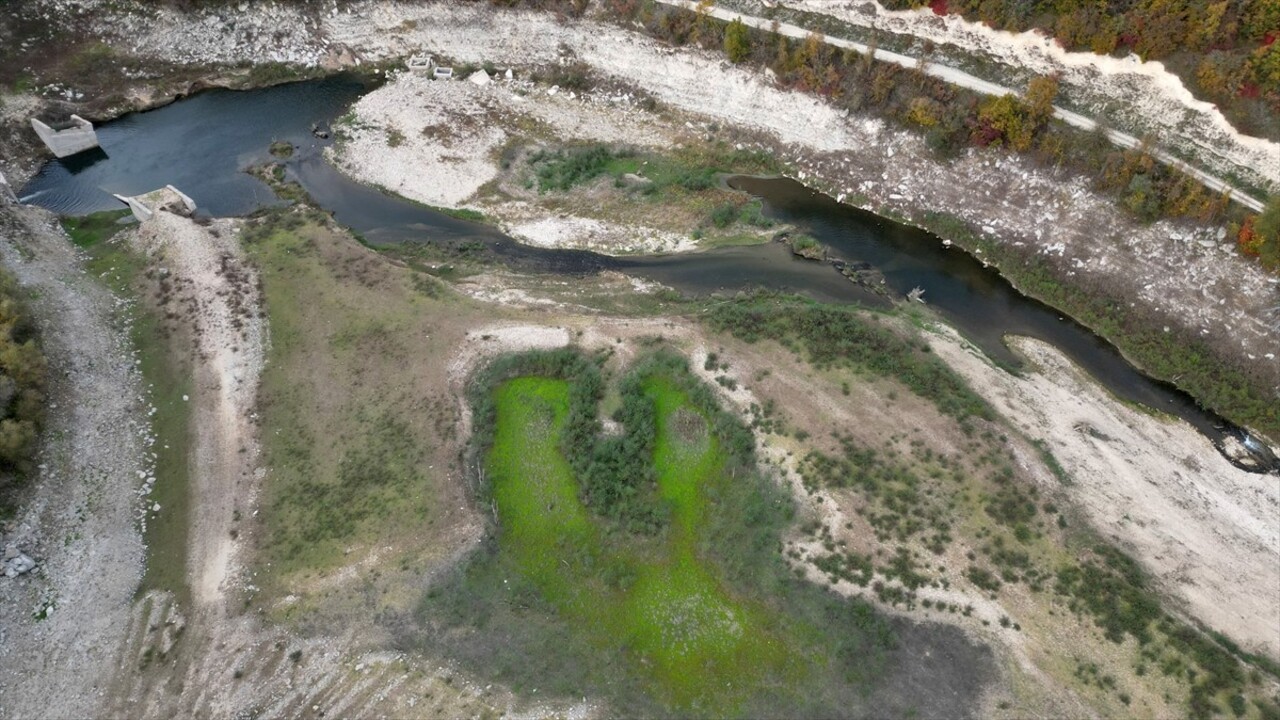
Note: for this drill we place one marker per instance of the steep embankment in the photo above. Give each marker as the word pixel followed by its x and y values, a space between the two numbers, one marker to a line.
pixel 1155 101
pixel 1239 155
pixel 61 625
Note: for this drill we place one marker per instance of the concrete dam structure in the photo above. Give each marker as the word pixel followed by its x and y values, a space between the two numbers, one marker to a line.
pixel 64 142
pixel 167 198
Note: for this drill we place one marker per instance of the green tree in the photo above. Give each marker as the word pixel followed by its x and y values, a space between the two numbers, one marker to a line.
pixel 1268 224
pixel 1265 65
pixel 1267 229
pixel 737 41
pixel 1041 92
pixel 22 376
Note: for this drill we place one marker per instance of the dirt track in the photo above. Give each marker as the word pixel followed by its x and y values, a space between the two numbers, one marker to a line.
pixel 216 292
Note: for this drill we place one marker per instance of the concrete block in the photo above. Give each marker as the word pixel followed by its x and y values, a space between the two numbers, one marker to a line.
pixel 443 73
pixel 67 141
pixel 169 198
pixel 421 62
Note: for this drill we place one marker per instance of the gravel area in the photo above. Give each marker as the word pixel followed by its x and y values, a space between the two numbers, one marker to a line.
pixel 62 624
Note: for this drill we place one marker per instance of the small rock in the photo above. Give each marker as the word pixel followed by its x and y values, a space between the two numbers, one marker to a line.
pixel 19 566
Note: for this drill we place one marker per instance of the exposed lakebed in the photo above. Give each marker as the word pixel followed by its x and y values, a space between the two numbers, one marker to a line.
pixel 203 144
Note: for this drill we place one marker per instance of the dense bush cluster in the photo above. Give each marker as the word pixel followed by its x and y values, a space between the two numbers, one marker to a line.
pixel 616 472
pixel 1259 235
pixel 617 475
pixel 22 378
pixel 561 170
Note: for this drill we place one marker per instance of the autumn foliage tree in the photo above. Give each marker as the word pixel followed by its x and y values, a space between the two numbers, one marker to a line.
pixel 1259 235
pixel 1225 50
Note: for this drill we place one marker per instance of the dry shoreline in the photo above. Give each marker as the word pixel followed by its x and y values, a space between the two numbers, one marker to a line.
pixel 1201 527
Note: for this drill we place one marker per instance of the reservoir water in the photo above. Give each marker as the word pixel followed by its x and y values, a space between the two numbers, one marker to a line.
pixel 203 144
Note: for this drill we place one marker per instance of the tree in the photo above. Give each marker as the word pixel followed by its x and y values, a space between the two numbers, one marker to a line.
pixel 737 41
pixel 22 376
pixel 1004 119
pixel 1268 223
pixel 1267 228
pixel 1265 66
pixel 1041 92
pixel 923 112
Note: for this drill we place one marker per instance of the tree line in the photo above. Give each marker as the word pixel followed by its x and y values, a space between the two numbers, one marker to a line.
pixel 952 119
pixel 1226 51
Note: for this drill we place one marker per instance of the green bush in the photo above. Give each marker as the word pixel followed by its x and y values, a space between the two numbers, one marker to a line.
pixel 737 41
pixel 564 169
pixel 724 215
pixel 22 380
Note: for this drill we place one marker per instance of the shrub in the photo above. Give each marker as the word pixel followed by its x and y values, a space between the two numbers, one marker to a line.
pixel 737 41
pixel 724 215
pixel 22 379
pixel 564 169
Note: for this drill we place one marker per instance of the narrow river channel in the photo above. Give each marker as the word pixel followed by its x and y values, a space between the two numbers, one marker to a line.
pixel 202 145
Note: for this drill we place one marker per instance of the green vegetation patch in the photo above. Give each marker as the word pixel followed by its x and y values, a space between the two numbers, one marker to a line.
pixel 692 610
pixel 832 335
pixel 688 177
pixel 350 449
pixel 168 376
pixel 1109 586
pixel 90 230
pixel 22 380
pixel 689 170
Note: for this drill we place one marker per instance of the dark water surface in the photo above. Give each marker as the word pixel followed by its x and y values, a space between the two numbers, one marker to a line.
pixel 202 145
pixel 199 144
pixel 977 300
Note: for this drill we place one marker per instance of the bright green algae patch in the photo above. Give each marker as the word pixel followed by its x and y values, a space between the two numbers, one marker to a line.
pixel 644 568
pixel 693 638
pixel 533 485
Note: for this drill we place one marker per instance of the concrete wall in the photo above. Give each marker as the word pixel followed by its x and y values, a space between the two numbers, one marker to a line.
pixel 168 197
pixel 70 141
